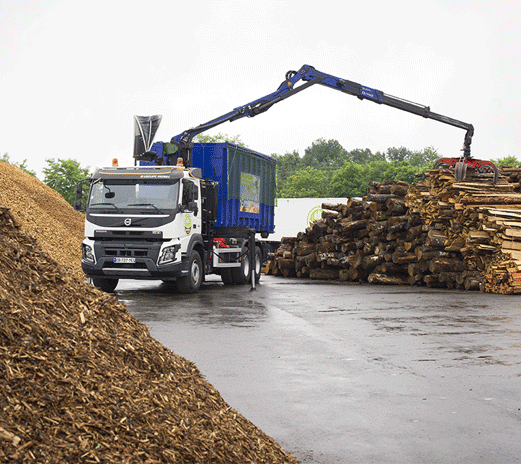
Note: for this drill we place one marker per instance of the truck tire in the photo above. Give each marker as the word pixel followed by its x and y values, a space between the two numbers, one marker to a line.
pixel 226 276
pixel 107 285
pixel 192 282
pixel 241 275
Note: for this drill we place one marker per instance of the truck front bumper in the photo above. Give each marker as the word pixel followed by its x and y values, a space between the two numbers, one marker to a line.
pixel 120 261
pixel 142 269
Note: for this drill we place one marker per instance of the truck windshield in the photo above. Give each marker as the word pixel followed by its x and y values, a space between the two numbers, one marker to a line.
pixel 120 195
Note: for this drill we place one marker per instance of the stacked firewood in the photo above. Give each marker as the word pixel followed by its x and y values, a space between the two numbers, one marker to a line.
pixel 504 228
pixel 512 175
pixel 480 219
pixel 438 232
pixel 441 202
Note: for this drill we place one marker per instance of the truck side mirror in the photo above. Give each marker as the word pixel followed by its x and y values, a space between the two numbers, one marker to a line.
pixel 79 193
pixel 79 190
pixel 192 206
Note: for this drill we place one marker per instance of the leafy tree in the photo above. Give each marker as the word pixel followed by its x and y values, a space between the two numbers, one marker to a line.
pixel 62 176
pixel 422 159
pixel 403 170
pixel 287 165
pixel 350 180
pixel 377 171
pixel 425 158
pixel 324 154
pixel 219 138
pixel 507 161
pixel 363 156
pixel 307 183
pixel 398 154
pixel 23 165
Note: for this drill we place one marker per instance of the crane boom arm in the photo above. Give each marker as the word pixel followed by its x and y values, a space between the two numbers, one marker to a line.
pixel 310 76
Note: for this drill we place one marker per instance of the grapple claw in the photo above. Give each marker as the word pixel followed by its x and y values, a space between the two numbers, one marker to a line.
pixel 461 165
pixel 460 170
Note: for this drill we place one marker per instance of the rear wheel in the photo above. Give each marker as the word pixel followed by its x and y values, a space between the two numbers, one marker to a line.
pixel 241 275
pixel 107 285
pixel 192 282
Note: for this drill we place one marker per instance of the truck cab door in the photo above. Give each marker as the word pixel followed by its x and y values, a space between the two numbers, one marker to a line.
pixel 191 208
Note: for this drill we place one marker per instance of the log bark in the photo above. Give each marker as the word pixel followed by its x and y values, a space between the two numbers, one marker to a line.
pixel 385 279
pixel 380 197
pixel 396 205
pixel 304 249
pixel 435 239
pixel 324 274
pixel 417 268
pixel 438 265
pixel 393 269
pixel 284 263
pixel 348 227
pixel 433 281
pixel 400 257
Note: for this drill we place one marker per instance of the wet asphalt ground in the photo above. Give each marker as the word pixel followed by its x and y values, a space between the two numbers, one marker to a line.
pixel 349 373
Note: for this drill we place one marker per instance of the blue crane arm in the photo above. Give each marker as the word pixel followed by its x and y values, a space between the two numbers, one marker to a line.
pixel 310 76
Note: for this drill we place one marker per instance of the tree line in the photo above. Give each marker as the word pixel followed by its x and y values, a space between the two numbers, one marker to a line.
pixel 328 170
pixel 325 170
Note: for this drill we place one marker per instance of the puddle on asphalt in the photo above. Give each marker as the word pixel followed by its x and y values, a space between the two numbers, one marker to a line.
pixel 212 309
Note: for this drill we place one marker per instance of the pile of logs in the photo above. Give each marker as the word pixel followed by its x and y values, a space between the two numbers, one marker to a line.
pixel 437 232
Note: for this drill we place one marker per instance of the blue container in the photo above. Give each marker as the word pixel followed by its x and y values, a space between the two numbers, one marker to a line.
pixel 246 183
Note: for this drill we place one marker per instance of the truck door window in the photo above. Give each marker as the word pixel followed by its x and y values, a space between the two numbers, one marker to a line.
pixel 186 193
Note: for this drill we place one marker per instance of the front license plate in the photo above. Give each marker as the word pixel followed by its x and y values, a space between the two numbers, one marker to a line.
pixel 124 260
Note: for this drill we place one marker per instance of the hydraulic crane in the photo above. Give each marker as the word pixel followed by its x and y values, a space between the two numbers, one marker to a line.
pixel 310 76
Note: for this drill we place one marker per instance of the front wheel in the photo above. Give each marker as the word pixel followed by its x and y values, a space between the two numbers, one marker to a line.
pixel 191 283
pixel 107 285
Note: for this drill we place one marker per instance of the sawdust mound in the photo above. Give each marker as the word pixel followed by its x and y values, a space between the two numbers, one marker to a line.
pixel 44 214
pixel 82 381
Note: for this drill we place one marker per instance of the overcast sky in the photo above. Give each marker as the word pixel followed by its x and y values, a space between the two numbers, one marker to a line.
pixel 73 74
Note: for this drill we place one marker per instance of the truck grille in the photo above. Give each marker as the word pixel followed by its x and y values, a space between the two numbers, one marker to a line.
pixel 136 253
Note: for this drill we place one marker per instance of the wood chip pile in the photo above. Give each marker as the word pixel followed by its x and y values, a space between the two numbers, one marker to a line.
pixel 437 232
pixel 43 213
pixel 82 381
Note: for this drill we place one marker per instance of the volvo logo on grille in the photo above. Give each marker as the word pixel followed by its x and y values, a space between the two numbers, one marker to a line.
pixel 127 221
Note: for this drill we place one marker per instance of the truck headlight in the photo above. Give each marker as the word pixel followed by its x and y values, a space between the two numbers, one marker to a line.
pixel 168 254
pixel 86 254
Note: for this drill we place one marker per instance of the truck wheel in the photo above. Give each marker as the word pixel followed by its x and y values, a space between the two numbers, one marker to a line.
pixel 226 276
pixel 107 285
pixel 258 263
pixel 192 282
pixel 241 275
